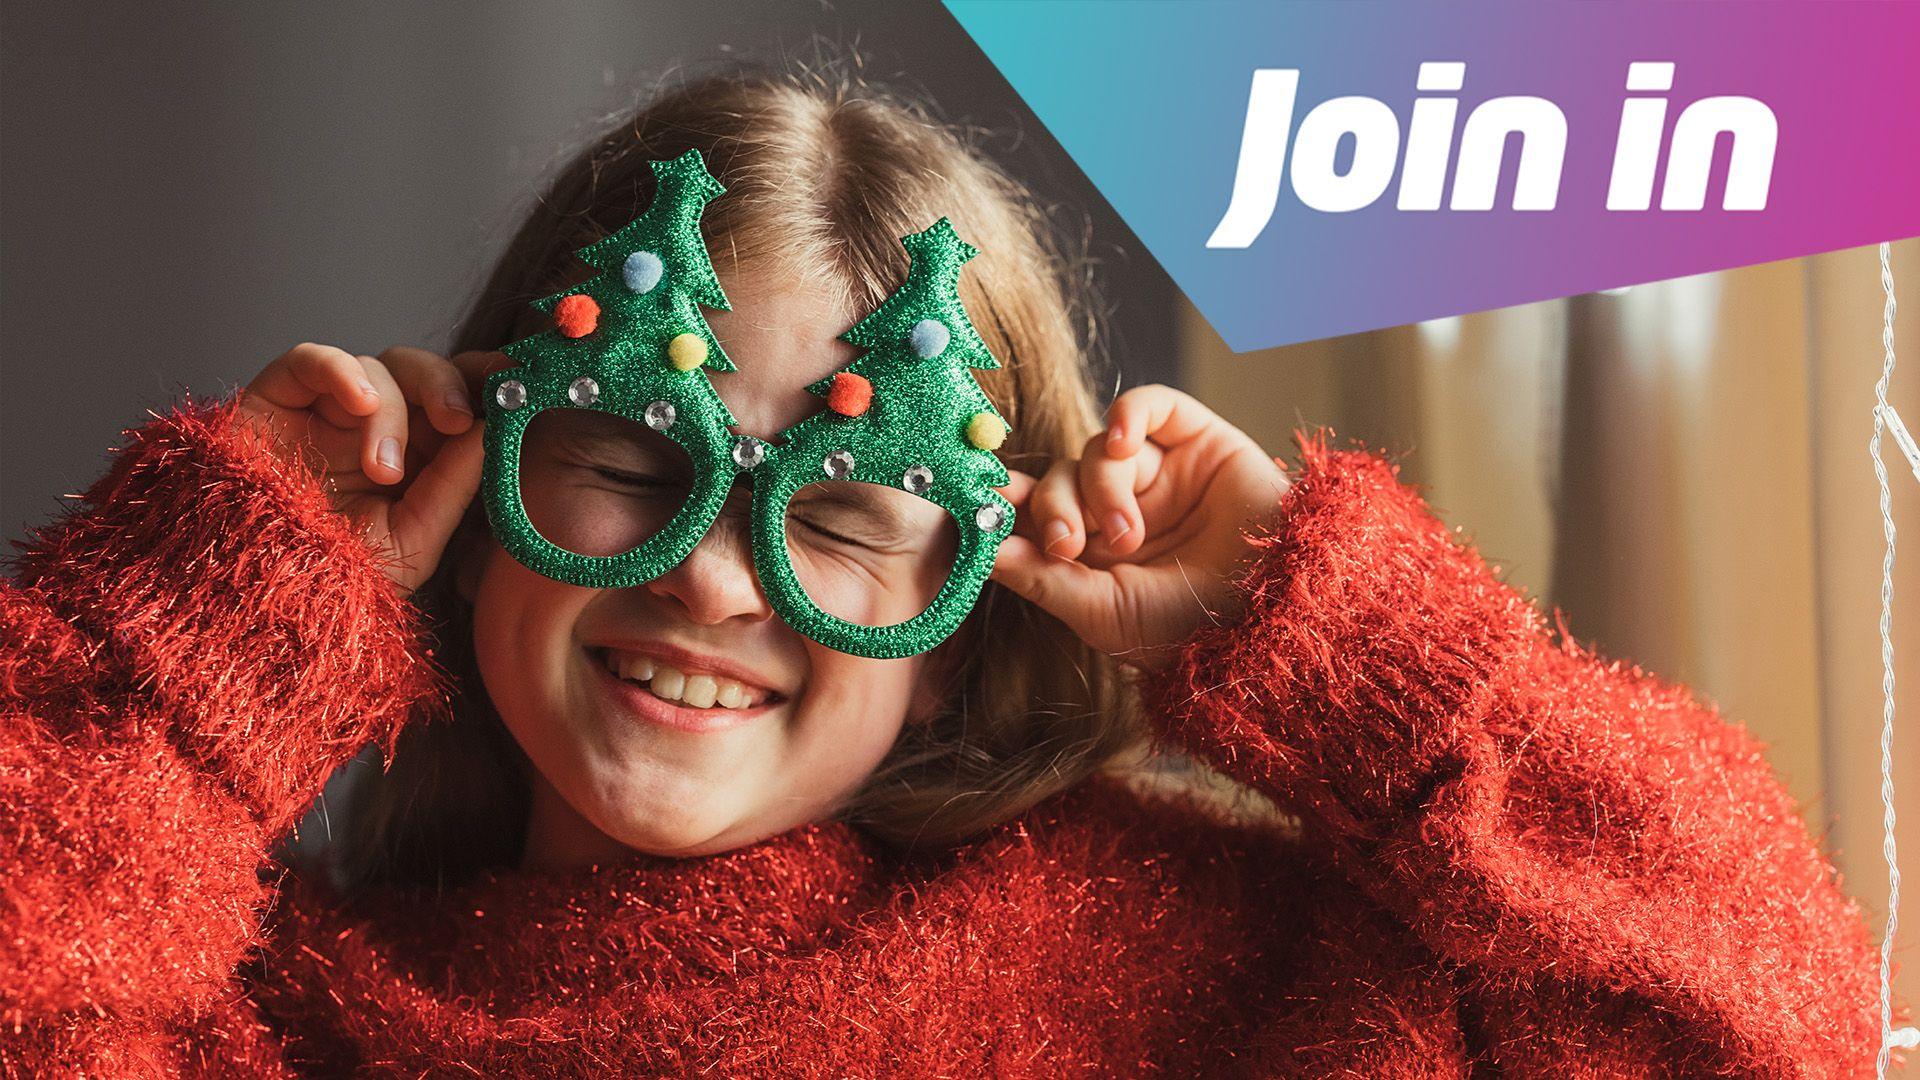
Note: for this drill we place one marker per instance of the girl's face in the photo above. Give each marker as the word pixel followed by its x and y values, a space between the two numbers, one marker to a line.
pixel 682 716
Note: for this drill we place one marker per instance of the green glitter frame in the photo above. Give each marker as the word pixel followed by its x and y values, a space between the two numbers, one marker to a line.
pixel 924 399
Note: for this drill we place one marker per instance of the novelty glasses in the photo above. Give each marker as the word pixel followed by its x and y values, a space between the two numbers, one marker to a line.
pixel 609 455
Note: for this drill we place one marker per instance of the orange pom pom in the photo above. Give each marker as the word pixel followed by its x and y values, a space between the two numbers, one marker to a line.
pixel 850 394
pixel 577 315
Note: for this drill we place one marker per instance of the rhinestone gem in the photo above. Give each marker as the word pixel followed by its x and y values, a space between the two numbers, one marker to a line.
pixel 989 517
pixel 748 451
pixel 917 479
pixel 584 392
pixel 838 465
pixel 511 394
pixel 660 415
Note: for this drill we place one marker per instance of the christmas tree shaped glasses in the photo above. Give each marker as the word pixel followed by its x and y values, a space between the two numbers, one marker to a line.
pixel 873 524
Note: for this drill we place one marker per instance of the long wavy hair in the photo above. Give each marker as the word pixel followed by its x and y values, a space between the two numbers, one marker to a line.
pixel 824 174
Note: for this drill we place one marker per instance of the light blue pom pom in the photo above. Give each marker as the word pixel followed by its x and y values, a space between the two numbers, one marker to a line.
pixel 642 271
pixel 929 338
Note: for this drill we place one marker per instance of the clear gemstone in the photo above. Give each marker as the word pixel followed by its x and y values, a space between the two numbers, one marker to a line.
pixel 917 479
pixel 748 451
pixel 660 415
pixel 838 465
pixel 511 394
pixel 989 517
pixel 583 392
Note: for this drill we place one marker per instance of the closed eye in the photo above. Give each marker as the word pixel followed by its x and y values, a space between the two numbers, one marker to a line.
pixel 865 516
pixel 830 534
pixel 630 479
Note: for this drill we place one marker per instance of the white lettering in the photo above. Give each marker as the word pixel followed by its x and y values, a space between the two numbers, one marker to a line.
pixel 1263 154
pixel 1636 152
pixel 1756 133
pixel 1430 137
pixel 1483 145
pixel 1268 136
pixel 1376 147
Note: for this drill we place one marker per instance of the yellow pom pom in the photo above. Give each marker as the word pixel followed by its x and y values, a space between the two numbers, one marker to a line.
pixel 986 431
pixel 687 351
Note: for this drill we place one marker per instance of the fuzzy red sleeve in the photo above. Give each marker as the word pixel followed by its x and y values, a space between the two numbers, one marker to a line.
pixel 184 659
pixel 1612 866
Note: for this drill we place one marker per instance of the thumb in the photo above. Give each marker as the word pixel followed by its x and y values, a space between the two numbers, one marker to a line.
pixel 1073 592
pixel 423 519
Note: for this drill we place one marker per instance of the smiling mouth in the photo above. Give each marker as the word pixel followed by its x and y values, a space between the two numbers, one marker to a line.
pixel 682 686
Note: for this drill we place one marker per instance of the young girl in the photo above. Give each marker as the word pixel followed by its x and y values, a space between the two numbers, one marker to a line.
pixel 655 830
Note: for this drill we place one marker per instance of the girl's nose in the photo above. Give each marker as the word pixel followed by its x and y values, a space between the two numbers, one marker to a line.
pixel 716 581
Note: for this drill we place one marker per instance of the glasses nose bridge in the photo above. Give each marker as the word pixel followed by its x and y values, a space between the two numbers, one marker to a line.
pixel 736 508
pixel 717 579
pixel 730 534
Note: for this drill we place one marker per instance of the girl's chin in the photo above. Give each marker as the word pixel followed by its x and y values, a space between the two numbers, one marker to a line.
pixel 668 818
pixel 674 830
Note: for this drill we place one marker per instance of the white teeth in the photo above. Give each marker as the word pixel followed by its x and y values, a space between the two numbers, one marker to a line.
pixel 668 683
pixel 629 666
pixel 700 690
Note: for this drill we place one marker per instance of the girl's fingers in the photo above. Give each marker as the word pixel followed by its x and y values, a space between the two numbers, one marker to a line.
pixel 1054 508
pixel 423 520
pixel 337 449
pixel 351 481
pixel 337 416
pixel 308 373
pixel 476 366
pixel 1070 591
pixel 1108 487
pixel 1160 413
pixel 1018 491
pixel 383 437
pixel 1018 488
pixel 431 382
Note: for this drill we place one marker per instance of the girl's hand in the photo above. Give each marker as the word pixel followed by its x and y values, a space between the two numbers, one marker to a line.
pixel 395 436
pixel 1133 544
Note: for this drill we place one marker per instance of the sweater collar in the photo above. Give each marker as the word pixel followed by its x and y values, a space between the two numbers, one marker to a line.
pixel 519 937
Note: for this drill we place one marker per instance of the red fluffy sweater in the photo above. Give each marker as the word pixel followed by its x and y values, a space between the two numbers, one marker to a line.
pixel 1514 856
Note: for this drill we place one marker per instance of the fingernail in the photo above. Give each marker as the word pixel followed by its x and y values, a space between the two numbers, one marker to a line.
pixel 388 453
pixel 367 390
pixel 1057 532
pixel 457 401
pixel 1115 436
pixel 1117 526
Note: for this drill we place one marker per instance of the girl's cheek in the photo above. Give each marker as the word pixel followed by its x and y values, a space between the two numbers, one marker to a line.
pixel 854 712
pixel 865 701
pixel 523 632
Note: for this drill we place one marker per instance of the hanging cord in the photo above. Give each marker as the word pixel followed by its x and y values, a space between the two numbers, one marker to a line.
pixel 1882 412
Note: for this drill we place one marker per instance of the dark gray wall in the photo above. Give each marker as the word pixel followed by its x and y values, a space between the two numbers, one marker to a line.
pixel 190 189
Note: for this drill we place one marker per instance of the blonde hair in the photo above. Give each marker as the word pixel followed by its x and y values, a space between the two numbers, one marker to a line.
pixel 822 173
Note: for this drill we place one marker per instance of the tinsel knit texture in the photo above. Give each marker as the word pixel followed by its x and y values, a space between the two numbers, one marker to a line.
pixel 1514 857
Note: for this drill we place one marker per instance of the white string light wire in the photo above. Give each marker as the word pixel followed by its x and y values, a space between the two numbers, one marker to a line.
pixel 1882 414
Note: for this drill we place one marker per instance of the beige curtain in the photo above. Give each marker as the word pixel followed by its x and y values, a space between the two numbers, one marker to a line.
pixel 1681 468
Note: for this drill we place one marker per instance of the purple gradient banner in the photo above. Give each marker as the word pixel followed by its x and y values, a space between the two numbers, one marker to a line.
pixel 1812 143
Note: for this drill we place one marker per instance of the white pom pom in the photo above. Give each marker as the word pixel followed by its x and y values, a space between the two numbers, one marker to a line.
pixel 929 338
pixel 642 271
